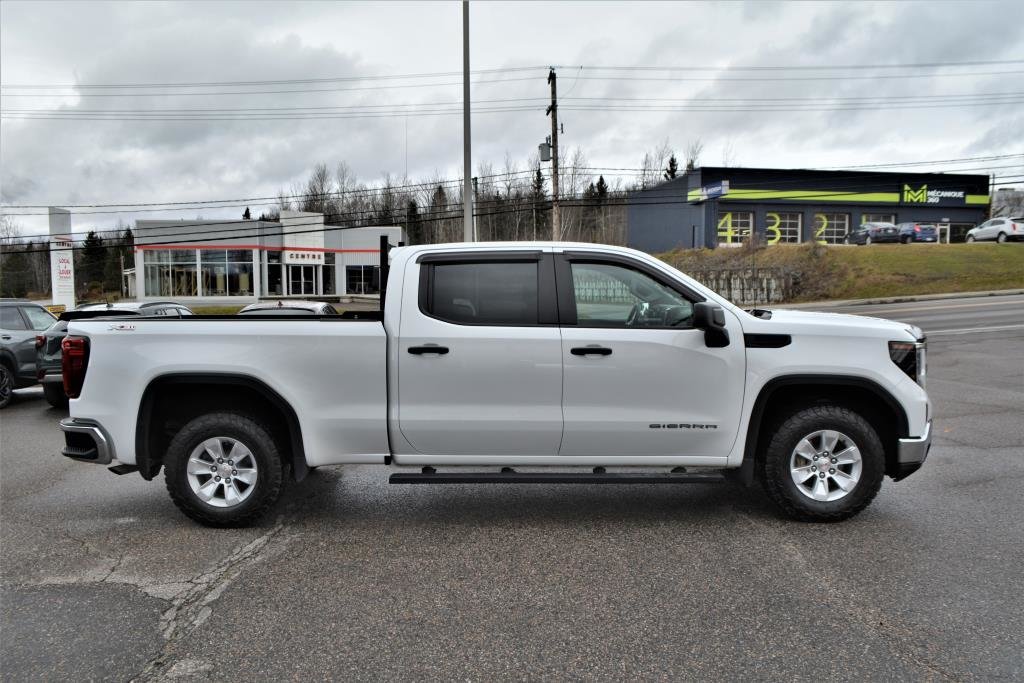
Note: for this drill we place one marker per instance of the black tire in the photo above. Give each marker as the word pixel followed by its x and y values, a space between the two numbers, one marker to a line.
pixel 6 385
pixel 1001 238
pixel 54 394
pixel 260 444
pixel 905 240
pixel 778 482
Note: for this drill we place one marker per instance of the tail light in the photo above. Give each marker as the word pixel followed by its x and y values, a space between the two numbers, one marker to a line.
pixel 40 341
pixel 74 360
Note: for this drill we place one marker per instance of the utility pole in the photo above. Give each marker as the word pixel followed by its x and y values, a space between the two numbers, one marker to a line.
pixel 556 219
pixel 468 233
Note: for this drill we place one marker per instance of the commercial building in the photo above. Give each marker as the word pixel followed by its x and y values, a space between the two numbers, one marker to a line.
pixel 208 261
pixel 714 206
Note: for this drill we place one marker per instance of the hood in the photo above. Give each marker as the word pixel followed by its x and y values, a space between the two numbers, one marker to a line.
pixel 787 321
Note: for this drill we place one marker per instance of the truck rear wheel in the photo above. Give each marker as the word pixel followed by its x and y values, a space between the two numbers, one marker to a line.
pixel 223 470
pixel 823 464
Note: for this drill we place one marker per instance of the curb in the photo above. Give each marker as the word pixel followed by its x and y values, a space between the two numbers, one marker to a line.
pixel 911 298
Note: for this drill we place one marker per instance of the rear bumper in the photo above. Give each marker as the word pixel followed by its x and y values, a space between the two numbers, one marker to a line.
pixel 912 453
pixel 52 378
pixel 86 441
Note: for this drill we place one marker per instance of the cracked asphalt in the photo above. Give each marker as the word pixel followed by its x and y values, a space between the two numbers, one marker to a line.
pixel 102 579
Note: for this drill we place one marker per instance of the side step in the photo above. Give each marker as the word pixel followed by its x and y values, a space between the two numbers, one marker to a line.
pixel 599 476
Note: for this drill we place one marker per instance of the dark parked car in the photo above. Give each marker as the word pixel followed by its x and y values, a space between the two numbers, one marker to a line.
pixel 20 321
pixel 289 308
pixel 872 233
pixel 918 232
pixel 48 354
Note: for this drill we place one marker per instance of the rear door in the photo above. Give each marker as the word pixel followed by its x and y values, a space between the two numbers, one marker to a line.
pixel 19 340
pixel 639 379
pixel 479 357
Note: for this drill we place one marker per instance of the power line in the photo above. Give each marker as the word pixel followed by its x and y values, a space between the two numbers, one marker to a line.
pixel 801 67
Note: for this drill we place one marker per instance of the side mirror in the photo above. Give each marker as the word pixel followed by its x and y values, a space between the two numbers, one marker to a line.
pixel 711 319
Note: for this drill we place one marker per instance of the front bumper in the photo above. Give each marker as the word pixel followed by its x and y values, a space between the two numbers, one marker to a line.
pixel 86 441
pixel 912 453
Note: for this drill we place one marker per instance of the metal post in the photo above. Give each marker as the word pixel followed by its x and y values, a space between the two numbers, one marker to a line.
pixel 468 233
pixel 556 218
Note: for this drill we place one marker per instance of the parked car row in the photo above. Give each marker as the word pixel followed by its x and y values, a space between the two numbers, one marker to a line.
pixel 904 233
pixel 996 229
pixel 31 337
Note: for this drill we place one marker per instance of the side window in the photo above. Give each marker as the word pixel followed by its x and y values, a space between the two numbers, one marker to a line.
pixel 609 295
pixel 486 293
pixel 10 319
pixel 38 318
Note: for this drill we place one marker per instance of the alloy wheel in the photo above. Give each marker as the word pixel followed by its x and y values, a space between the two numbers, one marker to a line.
pixel 222 472
pixel 825 465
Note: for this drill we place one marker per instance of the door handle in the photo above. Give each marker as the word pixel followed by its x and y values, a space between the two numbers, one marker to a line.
pixel 429 348
pixel 6 337
pixel 591 351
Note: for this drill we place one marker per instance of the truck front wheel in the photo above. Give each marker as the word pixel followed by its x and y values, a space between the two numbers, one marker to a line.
pixel 223 470
pixel 823 464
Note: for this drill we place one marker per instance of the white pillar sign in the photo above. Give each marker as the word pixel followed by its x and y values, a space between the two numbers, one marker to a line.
pixel 62 259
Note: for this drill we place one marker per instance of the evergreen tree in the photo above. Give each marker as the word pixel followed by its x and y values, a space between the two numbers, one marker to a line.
pixel 673 168
pixel 93 259
pixel 537 189
pixel 602 189
pixel 413 224
pixel 128 247
pixel 246 215
pixel 14 273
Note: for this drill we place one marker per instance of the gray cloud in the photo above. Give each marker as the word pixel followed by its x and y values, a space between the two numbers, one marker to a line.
pixel 106 161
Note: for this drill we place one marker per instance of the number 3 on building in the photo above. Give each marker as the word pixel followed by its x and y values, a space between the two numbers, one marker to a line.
pixel 773 227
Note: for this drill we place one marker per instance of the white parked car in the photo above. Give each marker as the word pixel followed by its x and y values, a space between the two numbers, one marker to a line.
pixel 998 229
pixel 563 358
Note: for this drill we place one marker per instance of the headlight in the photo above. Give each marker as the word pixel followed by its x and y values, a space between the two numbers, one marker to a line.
pixel 910 358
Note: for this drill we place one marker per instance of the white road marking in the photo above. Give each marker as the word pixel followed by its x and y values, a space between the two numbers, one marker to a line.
pixel 969 330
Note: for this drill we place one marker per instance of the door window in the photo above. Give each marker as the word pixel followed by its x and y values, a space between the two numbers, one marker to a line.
pixel 38 318
pixel 10 319
pixel 489 293
pixel 609 295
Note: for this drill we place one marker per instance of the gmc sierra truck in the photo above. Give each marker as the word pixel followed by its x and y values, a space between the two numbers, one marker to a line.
pixel 506 363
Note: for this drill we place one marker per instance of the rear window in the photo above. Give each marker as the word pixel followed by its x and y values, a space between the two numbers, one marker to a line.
pixel 38 318
pixel 490 293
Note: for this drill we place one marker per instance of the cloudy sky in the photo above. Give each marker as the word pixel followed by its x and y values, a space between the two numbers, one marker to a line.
pixel 94 150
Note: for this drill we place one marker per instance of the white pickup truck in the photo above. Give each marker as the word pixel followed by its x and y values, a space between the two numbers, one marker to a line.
pixel 507 363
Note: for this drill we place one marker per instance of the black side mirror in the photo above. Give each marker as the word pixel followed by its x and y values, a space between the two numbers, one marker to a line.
pixel 711 319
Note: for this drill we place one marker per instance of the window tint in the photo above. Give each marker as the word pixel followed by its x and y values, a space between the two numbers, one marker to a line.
pixel 490 293
pixel 38 318
pixel 616 296
pixel 10 319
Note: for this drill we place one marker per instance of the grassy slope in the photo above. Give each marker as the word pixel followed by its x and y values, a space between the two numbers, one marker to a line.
pixel 843 272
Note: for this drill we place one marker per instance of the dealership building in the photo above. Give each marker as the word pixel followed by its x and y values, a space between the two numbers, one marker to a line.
pixel 210 261
pixel 713 206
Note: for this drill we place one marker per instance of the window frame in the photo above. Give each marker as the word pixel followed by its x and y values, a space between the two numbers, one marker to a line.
pixel 567 292
pixel 547 308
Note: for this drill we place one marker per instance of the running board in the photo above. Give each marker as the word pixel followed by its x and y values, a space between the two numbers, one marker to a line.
pixel 510 476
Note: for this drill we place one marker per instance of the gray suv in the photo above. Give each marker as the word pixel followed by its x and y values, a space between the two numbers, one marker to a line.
pixel 20 322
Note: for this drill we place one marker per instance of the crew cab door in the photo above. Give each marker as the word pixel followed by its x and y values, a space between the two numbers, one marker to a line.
pixel 639 379
pixel 480 355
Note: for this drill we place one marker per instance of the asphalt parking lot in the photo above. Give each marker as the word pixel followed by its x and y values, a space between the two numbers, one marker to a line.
pixel 102 578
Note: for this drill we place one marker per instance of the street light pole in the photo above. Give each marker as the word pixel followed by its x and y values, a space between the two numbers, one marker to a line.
pixel 468 233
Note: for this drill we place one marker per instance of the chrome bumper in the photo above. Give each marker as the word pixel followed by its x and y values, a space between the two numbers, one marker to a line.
pixel 915 450
pixel 86 441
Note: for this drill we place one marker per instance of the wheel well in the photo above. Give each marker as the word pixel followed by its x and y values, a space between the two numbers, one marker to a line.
pixel 171 401
pixel 779 398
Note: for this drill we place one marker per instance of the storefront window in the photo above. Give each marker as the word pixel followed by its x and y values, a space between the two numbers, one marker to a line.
pixel 878 218
pixel 831 228
pixel 735 226
pixel 783 227
pixel 330 283
pixel 170 272
pixel 275 282
pixel 362 280
pixel 226 272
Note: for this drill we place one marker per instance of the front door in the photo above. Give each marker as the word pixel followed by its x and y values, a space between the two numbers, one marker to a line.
pixel 479 356
pixel 302 280
pixel 639 380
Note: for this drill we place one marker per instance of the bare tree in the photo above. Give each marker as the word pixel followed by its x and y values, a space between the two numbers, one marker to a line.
pixel 693 151
pixel 729 154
